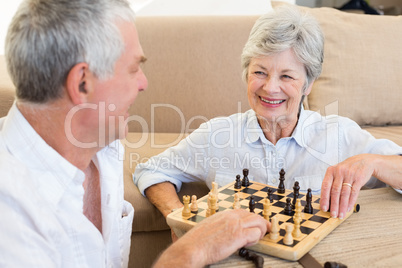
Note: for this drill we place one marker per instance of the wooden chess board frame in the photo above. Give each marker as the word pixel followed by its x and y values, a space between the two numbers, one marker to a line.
pixel 314 227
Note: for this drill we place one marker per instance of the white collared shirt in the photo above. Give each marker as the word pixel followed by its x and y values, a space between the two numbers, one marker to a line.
pixel 222 147
pixel 41 203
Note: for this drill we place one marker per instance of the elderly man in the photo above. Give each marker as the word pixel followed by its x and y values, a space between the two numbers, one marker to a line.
pixel 76 66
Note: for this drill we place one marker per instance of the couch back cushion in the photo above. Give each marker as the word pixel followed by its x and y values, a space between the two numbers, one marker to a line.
pixel 7 89
pixel 193 69
pixel 362 70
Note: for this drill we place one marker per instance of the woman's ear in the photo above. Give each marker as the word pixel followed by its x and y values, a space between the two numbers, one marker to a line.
pixel 77 84
pixel 309 88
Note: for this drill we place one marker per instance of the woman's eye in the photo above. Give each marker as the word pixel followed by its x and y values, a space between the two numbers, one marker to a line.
pixel 258 73
pixel 287 76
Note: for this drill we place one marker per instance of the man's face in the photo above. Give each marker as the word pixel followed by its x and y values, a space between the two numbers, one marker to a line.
pixel 115 95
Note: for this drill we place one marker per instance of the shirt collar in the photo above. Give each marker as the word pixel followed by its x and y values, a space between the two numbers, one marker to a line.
pixel 25 144
pixel 254 132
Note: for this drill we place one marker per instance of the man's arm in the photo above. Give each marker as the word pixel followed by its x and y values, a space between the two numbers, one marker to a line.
pixel 214 239
pixel 164 197
pixel 342 183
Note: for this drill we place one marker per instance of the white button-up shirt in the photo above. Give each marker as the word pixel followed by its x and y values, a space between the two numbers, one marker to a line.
pixel 222 147
pixel 41 203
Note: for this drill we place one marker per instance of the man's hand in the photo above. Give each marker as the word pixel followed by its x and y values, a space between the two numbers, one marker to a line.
pixel 215 238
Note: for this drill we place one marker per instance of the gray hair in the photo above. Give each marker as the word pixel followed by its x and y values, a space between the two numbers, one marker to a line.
pixel 46 38
pixel 286 27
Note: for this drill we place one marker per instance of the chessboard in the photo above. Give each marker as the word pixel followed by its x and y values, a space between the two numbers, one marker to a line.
pixel 313 226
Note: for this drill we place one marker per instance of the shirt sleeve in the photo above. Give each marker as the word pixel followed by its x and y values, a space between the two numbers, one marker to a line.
pixel 185 162
pixel 356 140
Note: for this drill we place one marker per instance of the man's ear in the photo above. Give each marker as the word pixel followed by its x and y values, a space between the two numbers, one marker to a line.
pixel 78 84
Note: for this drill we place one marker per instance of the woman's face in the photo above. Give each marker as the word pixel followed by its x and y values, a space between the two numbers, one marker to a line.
pixel 275 86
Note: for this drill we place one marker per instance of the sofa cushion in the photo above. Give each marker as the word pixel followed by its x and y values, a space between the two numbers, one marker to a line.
pixel 361 76
pixel 193 69
pixel 7 89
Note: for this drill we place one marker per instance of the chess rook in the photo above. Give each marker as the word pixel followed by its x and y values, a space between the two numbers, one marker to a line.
pixel 245 182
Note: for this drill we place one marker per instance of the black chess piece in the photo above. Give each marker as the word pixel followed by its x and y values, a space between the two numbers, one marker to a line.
pixel 288 207
pixel 296 189
pixel 251 204
pixel 245 182
pixel 281 187
pixel 308 208
pixel 257 260
pixel 270 197
pixel 238 182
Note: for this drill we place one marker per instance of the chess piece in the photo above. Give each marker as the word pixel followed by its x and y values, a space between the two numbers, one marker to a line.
pixel 209 204
pixel 236 203
pixel 309 207
pixel 274 233
pixel 245 182
pixel 267 205
pixel 214 189
pixel 186 210
pixel 251 204
pixel 238 182
pixel 194 205
pixel 288 238
pixel 297 220
pixel 214 203
pixel 296 189
pixel 288 207
pixel 281 187
pixel 257 260
pixel 270 197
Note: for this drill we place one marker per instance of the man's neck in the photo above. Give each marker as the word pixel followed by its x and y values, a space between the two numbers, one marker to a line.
pixel 48 120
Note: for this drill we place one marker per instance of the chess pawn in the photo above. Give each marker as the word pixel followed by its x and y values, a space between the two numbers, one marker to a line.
pixel 266 213
pixel 274 233
pixel 194 205
pixel 236 203
pixel 186 210
pixel 270 197
pixel 208 212
pixel 245 182
pixel 288 238
pixel 251 204
pixel 237 184
pixel 309 207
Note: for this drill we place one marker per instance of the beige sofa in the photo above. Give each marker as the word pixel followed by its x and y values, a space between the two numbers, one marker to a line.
pixel 194 74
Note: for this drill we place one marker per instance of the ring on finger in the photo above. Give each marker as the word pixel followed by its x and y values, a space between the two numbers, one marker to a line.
pixel 347 184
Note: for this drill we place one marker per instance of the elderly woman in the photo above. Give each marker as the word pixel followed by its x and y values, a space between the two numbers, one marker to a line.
pixel 331 155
